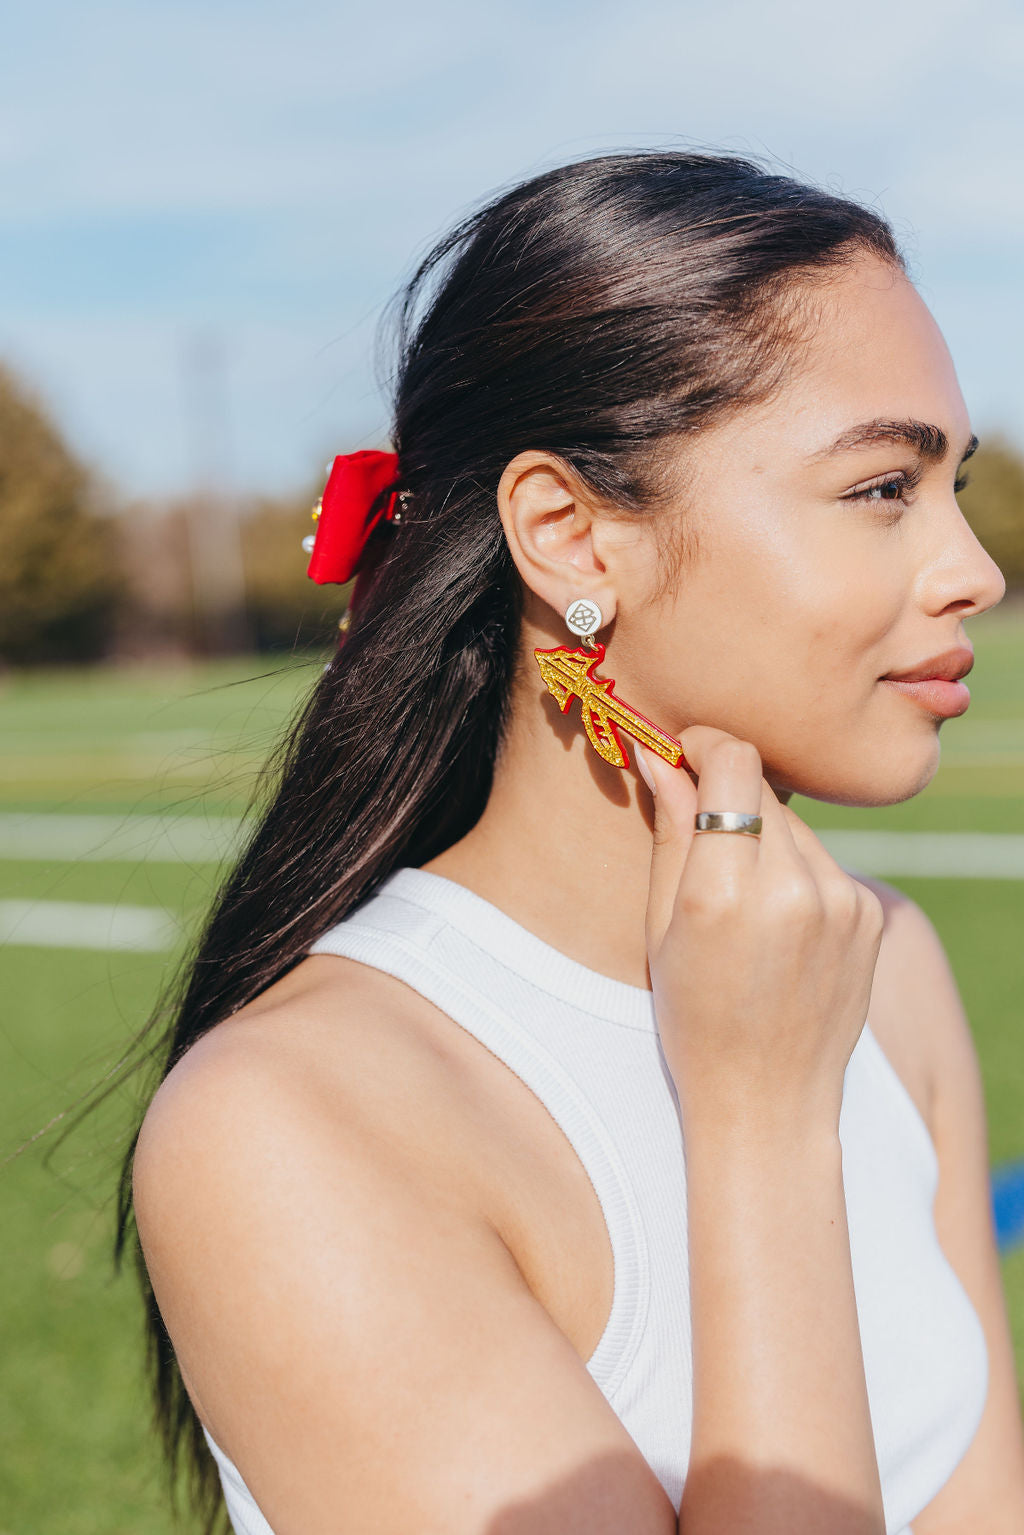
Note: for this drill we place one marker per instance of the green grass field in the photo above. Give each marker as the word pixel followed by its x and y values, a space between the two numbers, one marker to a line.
pixel 78 1457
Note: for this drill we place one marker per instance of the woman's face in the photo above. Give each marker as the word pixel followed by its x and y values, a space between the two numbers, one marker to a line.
pixel 829 555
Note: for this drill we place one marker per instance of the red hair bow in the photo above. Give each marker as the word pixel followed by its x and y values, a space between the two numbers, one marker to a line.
pixel 350 508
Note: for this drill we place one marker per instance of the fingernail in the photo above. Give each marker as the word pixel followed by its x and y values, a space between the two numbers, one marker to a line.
pixel 645 768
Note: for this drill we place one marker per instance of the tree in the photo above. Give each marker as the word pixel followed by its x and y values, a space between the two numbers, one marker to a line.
pixel 60 583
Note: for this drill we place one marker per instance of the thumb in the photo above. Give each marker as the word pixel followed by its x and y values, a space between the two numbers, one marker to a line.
pixel 675 804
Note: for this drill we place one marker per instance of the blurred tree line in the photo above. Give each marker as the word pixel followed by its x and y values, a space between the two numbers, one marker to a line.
pixel 58 568
pixel 168 604
pixel 84 576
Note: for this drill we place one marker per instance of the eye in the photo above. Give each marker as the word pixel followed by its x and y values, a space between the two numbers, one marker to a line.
pixel 893 488
pixel 889 490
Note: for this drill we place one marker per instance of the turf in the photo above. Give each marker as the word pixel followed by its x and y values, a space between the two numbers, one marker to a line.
pixel 78 1456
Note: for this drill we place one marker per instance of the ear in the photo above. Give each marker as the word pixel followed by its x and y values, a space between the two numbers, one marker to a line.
pixel 562 548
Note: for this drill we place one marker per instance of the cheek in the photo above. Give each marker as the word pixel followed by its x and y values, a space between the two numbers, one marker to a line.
pixel 783 633
pixel 780 640
pixel 816 589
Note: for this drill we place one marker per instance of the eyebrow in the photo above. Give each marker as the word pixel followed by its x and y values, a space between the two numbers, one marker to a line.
pixel 926 439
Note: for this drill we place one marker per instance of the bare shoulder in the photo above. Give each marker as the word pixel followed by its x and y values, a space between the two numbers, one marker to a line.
pixel 333 1288
pixel 915 1010
pixel 334 1053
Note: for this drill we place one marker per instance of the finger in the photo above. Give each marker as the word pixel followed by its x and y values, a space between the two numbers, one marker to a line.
pixel 675 801
pixel 730 779
pixel 776 836
pixel 811 848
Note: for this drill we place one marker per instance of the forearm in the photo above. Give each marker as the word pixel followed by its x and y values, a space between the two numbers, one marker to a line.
pixel 782 1441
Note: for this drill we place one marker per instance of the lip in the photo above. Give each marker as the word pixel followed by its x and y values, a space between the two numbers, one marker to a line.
pixel 950 666
pixel 938 695
pixel 936 683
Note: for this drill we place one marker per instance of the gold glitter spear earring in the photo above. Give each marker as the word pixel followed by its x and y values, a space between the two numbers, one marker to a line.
pixel 572 673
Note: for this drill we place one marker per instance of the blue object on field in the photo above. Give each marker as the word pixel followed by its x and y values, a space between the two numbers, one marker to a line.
pixel 1008 1204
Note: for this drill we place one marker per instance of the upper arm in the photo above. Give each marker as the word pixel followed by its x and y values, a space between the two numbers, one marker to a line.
pixel 359 1342
pixel 986 1489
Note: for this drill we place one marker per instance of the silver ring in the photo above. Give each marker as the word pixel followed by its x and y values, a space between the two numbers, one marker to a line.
pixel 727 820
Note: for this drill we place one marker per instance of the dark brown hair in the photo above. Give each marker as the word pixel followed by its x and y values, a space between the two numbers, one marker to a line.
pixel 599 311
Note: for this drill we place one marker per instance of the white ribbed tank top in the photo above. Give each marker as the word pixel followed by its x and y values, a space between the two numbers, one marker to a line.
pixel 588 1046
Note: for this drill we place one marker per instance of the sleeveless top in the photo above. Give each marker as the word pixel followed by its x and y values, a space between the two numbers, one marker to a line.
pixel 587 1045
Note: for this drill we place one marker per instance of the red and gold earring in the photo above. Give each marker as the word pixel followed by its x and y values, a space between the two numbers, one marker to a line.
pixel 572 673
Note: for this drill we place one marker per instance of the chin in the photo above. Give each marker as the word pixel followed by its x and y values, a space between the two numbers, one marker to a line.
pixel 867 779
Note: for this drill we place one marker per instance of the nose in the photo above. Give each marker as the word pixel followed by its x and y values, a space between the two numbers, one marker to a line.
pixel 964 575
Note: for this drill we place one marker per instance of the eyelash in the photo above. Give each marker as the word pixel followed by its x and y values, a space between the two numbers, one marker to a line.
pixel 907 481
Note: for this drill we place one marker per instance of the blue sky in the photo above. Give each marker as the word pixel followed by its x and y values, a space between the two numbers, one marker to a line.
pixel 251 183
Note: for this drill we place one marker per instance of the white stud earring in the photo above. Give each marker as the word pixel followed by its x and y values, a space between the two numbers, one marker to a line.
pixel 584 618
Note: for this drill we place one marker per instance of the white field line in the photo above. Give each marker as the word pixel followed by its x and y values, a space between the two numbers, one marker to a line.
pixel 933 855
pixel 82 925
pixel 207 839
pixel 89 925
pixel 117 838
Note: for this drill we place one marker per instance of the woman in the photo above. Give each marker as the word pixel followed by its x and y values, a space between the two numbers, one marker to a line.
pixel 524 1160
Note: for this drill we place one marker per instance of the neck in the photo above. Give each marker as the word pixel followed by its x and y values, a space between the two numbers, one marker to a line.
pixel 564 843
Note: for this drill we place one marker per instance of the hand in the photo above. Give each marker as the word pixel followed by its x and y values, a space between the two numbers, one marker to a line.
pixel 761 949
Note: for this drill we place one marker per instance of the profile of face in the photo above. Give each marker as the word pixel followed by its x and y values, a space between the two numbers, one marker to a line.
pixel 830 551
